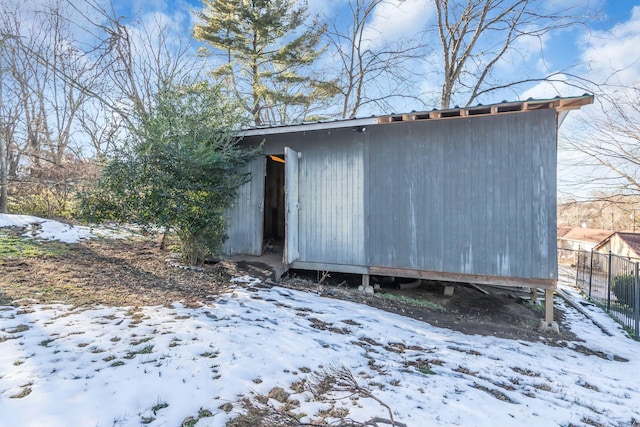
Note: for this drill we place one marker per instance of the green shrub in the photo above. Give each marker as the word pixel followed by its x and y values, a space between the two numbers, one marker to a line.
pixel 45 201
pixel 178 171
pixel 623 287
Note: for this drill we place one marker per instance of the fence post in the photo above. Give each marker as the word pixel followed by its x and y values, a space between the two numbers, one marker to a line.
pixel 590 273
pixel 636 302
pixel 578 270
pixel 609 283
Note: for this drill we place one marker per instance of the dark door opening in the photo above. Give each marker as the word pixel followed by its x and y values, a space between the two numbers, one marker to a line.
pixel 274 208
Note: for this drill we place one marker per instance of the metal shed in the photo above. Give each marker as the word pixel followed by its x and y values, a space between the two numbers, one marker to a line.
pixel 463 195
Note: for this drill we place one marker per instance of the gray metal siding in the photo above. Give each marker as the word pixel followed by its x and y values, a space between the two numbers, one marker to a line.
pixel 467 195
pixel 470 196
pixel 245 219
pixel 331 193
pixel 331 201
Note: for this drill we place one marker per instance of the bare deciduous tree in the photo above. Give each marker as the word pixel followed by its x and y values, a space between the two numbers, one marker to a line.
pixel 139 58
pixel 47 83
pixel 40 52
pixel 102 127
pixel 10 154
pixel 371 71
pixel 606 145
pixel 72 73
pixel 4 176
pixel 476 35
pixel 8 122
pixel 601 210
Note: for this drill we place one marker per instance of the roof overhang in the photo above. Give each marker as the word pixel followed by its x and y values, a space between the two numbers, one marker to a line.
pixel 306 127
pixel 560 105
pixel 604 241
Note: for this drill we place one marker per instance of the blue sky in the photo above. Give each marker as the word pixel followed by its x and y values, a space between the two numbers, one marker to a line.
pixel 609 43
pixel 607 49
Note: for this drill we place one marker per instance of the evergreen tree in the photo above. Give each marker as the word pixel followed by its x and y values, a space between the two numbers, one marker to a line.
pixel 268 49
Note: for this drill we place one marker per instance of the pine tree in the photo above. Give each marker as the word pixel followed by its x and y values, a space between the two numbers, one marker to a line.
pixel 268 48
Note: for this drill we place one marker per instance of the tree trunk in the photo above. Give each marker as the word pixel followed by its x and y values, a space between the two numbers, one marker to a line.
pixel 4 173
pixel 192 248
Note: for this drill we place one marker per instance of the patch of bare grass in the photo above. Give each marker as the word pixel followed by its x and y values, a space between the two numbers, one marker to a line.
pixel 494 392
pixel 328 386
pixel 26 391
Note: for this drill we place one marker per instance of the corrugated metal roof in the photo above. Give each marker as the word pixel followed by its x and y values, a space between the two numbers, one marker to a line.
pixel 305 127
pixel 560 104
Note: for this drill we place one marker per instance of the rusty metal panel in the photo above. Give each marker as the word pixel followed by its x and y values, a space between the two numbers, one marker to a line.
pixel 470 195
pixel 245 220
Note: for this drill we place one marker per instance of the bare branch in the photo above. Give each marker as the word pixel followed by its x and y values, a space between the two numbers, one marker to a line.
pixel 475 36
pixel 370 72
pixel 606 143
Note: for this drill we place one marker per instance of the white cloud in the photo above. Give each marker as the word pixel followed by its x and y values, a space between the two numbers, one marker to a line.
pixel 609 56
pixel 142 6
pixel 571 5
pixel 613 55
pixel 559 85
pixel 526 49
pixel 394 20
pixel 324 7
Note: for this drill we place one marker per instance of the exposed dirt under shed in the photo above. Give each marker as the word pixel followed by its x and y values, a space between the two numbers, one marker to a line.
pixel 501 312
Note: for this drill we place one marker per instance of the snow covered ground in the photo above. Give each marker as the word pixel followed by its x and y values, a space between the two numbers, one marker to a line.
pixel 47 229
pixel 105 366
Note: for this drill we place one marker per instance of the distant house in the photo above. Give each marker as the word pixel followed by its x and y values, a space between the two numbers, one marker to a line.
pixel 578 238
pixel 622 244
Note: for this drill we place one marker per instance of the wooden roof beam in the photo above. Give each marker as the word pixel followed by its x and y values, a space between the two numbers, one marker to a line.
pixel 560 104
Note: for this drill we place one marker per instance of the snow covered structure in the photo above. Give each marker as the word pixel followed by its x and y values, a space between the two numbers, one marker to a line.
pixel 463 195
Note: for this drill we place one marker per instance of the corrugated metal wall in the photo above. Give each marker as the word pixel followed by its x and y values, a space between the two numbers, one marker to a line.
pixel 246 219
pixel 331 196
pixel 331 212
pixel 471 196
pixel 466 195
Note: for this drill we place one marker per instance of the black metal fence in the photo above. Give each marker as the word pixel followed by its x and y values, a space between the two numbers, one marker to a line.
pixel 612 282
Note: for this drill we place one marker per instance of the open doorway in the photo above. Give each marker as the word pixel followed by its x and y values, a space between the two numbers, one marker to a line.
pixel 274 207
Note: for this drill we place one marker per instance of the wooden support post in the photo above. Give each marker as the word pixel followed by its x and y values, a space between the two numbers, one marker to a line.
pixel 534 295
pixel 365 281
pixel 548 306
pixel 366 288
